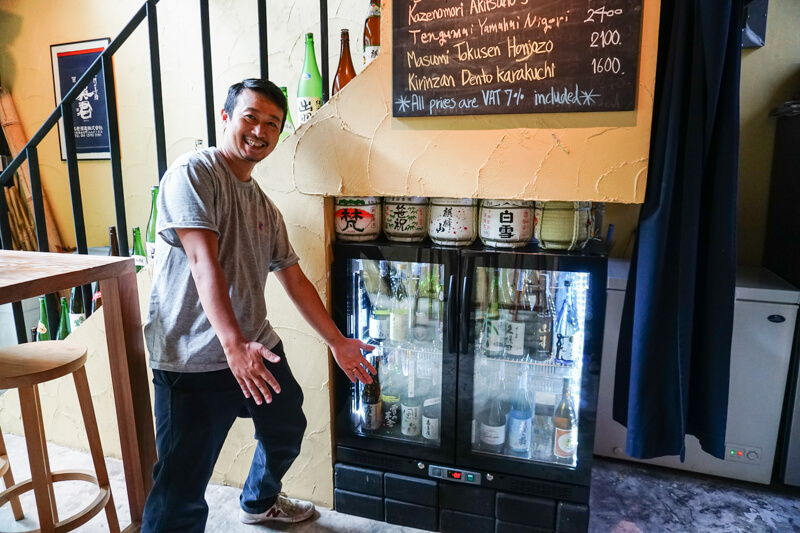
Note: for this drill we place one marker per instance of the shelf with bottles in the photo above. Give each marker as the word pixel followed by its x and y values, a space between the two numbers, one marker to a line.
pixel 534 421
pixel 400 305
pixel 404 400
pixel 530 317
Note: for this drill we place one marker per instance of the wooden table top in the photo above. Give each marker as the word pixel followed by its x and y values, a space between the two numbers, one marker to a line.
pixel 30 274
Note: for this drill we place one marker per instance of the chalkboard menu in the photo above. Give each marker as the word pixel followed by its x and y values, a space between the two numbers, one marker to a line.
pixel 478 57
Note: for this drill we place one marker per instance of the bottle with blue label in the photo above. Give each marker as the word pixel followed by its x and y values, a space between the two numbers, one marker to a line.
pixel 520 419
pixel 309 89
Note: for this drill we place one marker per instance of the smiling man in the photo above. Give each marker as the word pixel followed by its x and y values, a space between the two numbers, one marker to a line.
pixel 213 352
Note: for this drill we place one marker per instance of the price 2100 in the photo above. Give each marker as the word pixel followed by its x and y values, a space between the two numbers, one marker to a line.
pixel 601 39
pixel 606 64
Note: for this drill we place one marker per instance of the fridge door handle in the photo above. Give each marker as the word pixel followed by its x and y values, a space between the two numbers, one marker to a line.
pixel 452 306
pixel 464 318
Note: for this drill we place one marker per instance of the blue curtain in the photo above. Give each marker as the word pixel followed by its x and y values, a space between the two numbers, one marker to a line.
pixel 673 361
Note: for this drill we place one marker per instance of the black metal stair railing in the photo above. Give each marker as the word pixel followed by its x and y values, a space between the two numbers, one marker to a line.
pixel 64 111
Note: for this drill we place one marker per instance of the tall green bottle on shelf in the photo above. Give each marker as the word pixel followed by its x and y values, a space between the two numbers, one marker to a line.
pixel 288 127
pixel 139 253
pixel 309 90
pixel 150 232
pixel 63 324
pixel 42 331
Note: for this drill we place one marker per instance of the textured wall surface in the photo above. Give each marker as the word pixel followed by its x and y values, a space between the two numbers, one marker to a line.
pixel 353 146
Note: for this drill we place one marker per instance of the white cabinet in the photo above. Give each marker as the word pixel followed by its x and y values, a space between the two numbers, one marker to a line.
pixel 765 313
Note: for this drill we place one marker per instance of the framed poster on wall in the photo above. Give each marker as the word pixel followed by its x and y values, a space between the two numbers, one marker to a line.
pixel 70 61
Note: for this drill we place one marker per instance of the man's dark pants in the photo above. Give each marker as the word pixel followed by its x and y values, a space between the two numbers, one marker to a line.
pixel 194 412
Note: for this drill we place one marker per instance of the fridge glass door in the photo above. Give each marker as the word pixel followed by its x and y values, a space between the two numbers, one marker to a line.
pixel 399 307
pixel 528 343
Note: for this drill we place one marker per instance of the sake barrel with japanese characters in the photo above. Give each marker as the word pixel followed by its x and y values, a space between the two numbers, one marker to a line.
pixel 405 218
pixel 357 218
pixel 452 221
pixel 506 223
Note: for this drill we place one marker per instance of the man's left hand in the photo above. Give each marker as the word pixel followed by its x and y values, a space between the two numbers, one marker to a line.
pixel 355 366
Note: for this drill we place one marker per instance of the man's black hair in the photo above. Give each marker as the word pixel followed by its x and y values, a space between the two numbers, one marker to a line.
pixel 265 88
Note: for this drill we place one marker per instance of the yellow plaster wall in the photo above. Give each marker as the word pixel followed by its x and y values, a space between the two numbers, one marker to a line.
pixel 353 146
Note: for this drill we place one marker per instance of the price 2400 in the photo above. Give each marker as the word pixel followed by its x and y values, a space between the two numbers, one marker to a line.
pixel 601 39
pixel 606 64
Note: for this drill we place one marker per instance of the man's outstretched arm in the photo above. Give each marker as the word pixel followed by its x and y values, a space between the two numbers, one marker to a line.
pixel 346 352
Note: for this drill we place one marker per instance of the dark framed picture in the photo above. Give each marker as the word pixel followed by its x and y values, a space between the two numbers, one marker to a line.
pixel 70 61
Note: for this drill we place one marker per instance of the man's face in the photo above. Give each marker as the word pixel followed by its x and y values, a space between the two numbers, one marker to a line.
pixel 252 131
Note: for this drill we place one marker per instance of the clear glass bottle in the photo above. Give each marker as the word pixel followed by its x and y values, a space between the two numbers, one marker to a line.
pixel 515 325
pixel 288 125
pixel 372 32
pixel 432 411
pixel 139 253
pixel 520 419
pixel 150 231
pixel 494 342
pixel 411 405
pixel 309 89
pixel 543 426
pixel 345 71
pixel 399 314
pixel 540 336
pixel 565 328
pixel 381 306
pixel 492 426
pixel 391 392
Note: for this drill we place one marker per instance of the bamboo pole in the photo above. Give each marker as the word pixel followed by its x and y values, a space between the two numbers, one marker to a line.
pixel 25 232
pixel 15 136
pixel 30 228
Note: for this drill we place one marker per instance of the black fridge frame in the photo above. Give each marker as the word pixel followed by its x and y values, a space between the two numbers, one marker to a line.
pixel 343 253
pixel 533 258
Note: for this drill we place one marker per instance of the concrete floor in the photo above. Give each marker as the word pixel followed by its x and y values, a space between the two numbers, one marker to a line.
pixel 625 498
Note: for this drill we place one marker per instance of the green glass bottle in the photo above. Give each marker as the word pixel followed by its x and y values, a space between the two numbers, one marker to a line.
pixel 150 232
pixel 42 333
pixel 309 90
pixel 139 255
pixel 76 312
pixel 63 325
pixel 288 126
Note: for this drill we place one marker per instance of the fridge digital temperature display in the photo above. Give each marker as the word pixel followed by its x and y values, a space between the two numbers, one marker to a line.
pixel 462 476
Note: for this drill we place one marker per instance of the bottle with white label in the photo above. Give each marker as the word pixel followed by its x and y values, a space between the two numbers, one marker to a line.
pixel 520 419
pixel 139 253
pixel 372 32
pixel 411 405
pixel 432 412
pixel 515 326
pixel 77 314
pixel 566 435
pixel 309 88
pixel 371 418
pixel 492 425
pixel 150 231
pixel 494 341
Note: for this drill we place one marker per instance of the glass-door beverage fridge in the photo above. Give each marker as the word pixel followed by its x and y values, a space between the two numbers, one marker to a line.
pixel 481 417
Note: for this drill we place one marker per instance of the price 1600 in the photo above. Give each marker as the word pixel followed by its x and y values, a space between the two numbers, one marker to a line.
pixel 606 64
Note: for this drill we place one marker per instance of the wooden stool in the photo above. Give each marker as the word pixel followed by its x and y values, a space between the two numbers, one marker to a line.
pixel 8 478
pixel 23 367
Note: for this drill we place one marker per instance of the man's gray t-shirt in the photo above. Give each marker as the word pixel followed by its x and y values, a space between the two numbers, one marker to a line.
pixel 200 191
